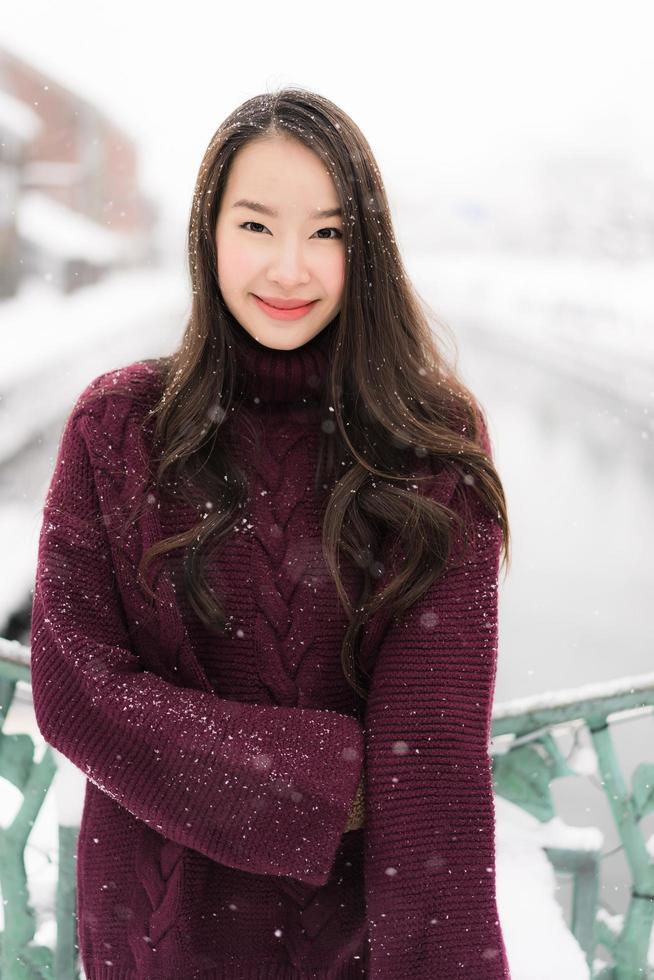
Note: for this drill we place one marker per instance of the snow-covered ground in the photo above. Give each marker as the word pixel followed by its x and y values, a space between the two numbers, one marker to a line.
pixel 53 343
pixel 591 319
pixel 54 346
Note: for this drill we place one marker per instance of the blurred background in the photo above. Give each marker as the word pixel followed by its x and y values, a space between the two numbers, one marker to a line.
pixel 516 143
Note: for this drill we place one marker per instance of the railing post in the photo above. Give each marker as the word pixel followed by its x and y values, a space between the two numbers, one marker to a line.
pixel 69 788
pixel 631 949
pixel 67 949
pixel 584 867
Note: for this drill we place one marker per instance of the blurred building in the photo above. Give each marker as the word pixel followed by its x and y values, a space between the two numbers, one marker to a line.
pixel 71 207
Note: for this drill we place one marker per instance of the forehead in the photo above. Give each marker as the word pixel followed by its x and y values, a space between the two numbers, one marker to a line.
pixel 283 175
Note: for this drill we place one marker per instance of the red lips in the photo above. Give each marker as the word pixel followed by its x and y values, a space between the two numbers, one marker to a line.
pixel 285 304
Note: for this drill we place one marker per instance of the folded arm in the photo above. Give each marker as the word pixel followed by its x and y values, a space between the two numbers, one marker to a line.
pixel 262 788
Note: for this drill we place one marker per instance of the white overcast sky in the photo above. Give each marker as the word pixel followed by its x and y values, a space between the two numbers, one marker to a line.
pixel 455 92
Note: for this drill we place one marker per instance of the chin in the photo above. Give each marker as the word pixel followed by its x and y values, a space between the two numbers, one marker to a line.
pixel 286 337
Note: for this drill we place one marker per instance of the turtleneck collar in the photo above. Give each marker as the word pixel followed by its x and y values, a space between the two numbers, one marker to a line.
pixel 282 376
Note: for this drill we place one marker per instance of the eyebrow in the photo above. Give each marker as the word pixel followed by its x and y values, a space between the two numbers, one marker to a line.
pixel 262 209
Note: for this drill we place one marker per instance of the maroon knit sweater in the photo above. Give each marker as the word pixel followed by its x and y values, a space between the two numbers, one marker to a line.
pixel 221 770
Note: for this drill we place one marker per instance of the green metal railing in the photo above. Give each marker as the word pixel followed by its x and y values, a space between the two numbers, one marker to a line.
pixel 523 772
pixel 526 758
pixel 20 958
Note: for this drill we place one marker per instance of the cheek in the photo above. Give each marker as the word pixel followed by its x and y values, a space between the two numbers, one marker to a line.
pixel 234 264
pixel 335 275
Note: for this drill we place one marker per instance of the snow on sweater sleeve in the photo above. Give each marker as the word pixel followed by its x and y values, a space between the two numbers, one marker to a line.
pixel 261 788
pixel 430 821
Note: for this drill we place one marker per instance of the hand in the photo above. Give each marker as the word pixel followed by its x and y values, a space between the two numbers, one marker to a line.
pixel 356 817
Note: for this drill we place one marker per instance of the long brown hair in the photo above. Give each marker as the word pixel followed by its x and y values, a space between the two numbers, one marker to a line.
pixel 395 399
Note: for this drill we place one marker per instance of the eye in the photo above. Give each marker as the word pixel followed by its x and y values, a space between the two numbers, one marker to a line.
pixel 251 223
pixel 339 234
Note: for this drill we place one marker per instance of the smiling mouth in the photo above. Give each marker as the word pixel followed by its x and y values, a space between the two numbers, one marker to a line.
pixel 284 315
pixel 283 305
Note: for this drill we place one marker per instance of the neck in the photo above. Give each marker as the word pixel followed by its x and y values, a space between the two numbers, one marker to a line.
pixel 268 375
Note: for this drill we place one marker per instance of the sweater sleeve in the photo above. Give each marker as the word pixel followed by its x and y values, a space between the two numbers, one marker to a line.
pixel 430 839
pixel 260 788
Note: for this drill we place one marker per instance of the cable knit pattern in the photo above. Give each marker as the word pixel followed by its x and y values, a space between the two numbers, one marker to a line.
pixel 220 771
pixel 279 573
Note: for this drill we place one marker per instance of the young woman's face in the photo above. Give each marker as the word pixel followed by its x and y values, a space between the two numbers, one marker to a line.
pixel 292 255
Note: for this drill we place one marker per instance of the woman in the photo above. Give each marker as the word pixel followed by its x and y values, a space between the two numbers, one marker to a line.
pixel 267 588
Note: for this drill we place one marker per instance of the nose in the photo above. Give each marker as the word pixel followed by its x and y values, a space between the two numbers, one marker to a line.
pixel 289 267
